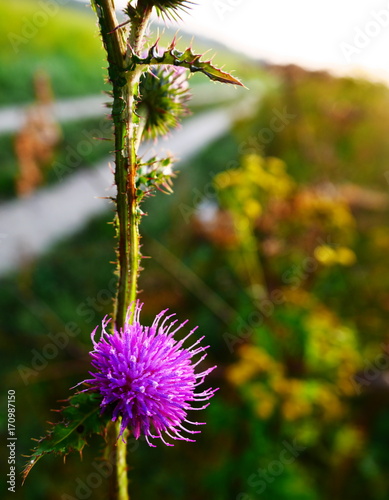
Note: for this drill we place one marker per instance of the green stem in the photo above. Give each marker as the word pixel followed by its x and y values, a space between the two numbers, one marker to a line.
pixel 125 85
pixel 115 454
pixel 139 132
pixel 121 464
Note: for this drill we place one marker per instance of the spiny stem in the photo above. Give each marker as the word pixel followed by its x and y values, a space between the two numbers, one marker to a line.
pixel 123 216
pixel 125 86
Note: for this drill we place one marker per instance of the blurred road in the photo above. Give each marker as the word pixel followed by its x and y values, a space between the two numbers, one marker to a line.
pixel 29 226
pixel 12 118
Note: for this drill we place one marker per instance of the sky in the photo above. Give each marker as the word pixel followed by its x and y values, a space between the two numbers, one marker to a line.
pixel 346 36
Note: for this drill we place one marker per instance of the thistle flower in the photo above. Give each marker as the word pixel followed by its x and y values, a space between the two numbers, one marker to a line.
pixel 148 378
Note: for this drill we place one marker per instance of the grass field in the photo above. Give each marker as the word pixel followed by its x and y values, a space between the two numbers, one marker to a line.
pixel 64 42
pixel 32 38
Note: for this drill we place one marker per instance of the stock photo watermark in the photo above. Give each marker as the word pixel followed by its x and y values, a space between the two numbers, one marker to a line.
pixel 47 9
pixel 223 7
pixel 75 155
pixel 278 122
pixel 261 478
pixel 59 341
pixel 11 440
pixel 293 277
pixel 253 144
pixel 102 470
pixel 373 371
pixel 363 35
pixel 264 309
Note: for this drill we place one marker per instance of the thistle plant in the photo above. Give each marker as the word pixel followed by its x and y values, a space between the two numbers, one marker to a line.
pixel 143 381
pixel 148 378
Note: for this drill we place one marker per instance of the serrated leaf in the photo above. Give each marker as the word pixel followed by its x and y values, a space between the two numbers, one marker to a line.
pixel 186 59
pixel 155 173
pixel 80 419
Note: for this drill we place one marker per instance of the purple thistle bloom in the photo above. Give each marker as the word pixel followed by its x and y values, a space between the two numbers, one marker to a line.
pixel 148 377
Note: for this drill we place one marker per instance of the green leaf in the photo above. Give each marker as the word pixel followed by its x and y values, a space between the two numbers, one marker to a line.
pixel 80 419
pixel 186 59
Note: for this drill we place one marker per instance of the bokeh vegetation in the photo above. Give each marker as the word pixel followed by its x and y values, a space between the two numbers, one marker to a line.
pixel 276 244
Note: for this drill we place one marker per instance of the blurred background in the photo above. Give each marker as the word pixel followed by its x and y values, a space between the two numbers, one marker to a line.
pixel 275 242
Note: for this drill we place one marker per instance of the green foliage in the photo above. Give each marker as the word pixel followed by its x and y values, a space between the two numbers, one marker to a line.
pixel 331 129
pixel 80 420
pixel 323 246
pixel 306 262
pixel 27 45
pixel 300 354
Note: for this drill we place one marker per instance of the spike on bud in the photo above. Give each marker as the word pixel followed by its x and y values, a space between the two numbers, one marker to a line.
pixel 168 9
pixel 163 94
